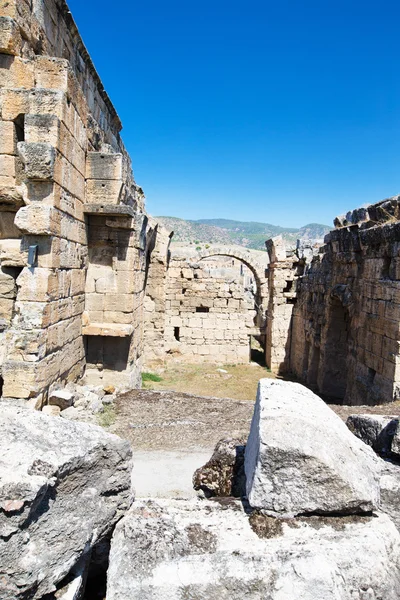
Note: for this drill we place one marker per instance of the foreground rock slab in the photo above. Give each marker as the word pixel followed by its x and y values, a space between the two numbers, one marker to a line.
pixel 205 550
pixel 63 486
pixel 301 458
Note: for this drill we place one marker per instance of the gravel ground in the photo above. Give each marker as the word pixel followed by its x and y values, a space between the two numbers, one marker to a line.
pixel 175 421
pixel 153 420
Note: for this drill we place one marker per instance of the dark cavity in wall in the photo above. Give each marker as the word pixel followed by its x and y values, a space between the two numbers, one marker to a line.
pixel 177 334
pixel 202 309
pixel 106 352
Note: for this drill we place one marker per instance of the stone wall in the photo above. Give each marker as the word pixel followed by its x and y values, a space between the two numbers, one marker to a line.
pixel 74 238
pixel 344 326
pixel 202 309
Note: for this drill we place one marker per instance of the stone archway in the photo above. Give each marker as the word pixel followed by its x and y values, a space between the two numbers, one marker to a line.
pixel 258 270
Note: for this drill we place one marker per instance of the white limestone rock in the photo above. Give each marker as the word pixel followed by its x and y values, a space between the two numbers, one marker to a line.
pixel 63 486
pixel 301 458
pixel 206 550
pixel 390 491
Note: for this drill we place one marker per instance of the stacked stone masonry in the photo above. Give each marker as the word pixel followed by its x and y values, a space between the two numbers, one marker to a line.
pixel 205 307
pixel 341 333
pixel 74 237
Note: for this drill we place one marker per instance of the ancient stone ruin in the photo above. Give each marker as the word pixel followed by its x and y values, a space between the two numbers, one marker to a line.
pixel 333 318
pixel 305 507
pixel 205 306
pixel 75 242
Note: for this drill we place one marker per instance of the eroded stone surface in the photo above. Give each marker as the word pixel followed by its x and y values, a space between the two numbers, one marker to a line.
pixel 301 458
pixel 202 550
pixel 377 431
pixel 63 487
pixel 223 474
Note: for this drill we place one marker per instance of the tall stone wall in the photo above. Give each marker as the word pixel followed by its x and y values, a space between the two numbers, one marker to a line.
pixel 74 237
pixel 345 325
pixel 201 311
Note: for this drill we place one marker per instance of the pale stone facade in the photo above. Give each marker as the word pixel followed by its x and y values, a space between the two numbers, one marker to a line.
pixel 74 238
pixel 202 311
pixel 340 333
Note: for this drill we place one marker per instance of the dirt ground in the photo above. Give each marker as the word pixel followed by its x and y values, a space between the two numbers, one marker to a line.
pixel 226 381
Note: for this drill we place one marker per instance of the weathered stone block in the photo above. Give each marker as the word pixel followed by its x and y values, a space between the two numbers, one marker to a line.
pixel 67 484
pixel 301 458
pixel 205 550
pixel 103 166
pixel 16 72
pixel 102 191
pixel 39 160
pixel 8 141
pixel 10 37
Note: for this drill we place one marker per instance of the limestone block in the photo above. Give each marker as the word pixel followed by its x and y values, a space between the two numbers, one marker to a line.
pixel 200 549
pixel 67 484
pixel 375 430
pixel 7 286
pixel 51 72
pixel 16 72
pixel 118 302
pixel 39 160
pixel 68 177
pixel 103 166
pixel 26 345
pixel 19 379
pixel 301 458
pixel 10 37
pixel 51 411
pixel 94 302
pixel 38 219
pixel 6 309
pixel 102 191
pixel 8 140
pixel 41 285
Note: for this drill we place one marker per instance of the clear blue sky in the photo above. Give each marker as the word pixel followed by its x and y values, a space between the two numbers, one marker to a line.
pixel 286 112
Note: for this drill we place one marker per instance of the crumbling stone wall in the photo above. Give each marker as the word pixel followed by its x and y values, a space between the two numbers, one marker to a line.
pixel 344 331
pixel 74 235
pixel 201 311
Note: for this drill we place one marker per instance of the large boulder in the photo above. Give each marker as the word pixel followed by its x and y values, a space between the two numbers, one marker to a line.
pixel 63 486
pixel 223 474
pixel 301 458
pixel 201 550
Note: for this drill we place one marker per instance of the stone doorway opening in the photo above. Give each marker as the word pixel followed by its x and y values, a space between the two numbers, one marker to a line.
pixel 257 349
pixel 336 352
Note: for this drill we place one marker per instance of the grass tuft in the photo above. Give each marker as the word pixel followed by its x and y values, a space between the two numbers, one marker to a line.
pixel 151 377
pixel 107 417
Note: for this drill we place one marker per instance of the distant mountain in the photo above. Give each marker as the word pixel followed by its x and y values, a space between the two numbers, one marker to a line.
pixel 249 234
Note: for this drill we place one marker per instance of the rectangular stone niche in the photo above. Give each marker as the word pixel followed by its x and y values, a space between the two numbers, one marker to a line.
pixel 109 353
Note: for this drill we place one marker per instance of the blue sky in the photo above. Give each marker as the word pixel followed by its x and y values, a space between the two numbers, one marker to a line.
pixel 284 112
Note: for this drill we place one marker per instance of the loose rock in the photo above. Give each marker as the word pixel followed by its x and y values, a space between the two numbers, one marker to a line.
pixel 223 474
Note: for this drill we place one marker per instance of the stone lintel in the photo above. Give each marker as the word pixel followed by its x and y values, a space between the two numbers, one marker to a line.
pixel 108 330
pixel 119 210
